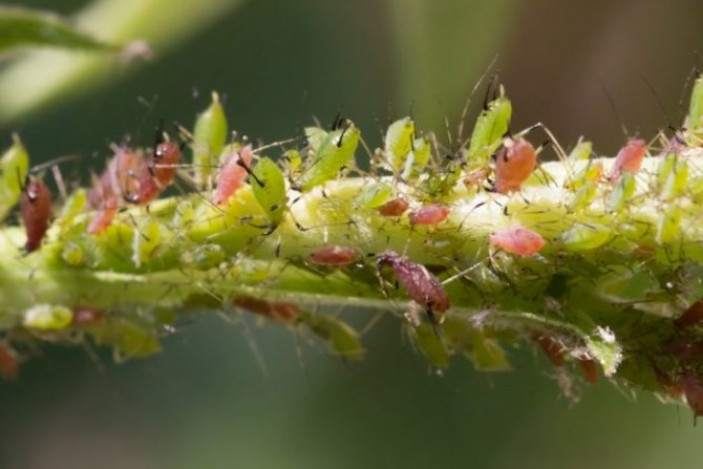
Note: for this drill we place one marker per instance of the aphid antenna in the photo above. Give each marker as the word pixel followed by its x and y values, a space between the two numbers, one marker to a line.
pixel 660 104
pixel 251 343
pixel 561 153
pixel 465 109
pixel 461 274
pixel 278 143
pixel 614 108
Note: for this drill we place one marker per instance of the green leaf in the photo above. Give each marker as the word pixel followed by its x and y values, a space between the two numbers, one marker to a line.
pixel 21 27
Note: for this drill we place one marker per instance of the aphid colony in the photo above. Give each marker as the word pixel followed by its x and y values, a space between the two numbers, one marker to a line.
pixel 545 251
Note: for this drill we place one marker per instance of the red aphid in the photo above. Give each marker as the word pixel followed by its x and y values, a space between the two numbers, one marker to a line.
pixel 673 388
pixel 693 390
pixel 9 363
pixel 515 162
pixel 518 240
pixel 232 175
pixel 421 285
pixel 589 370
pixel 686 349
pixel 119 181
pixel 430 215
pixel 692 316
pixel 86 316
pixel 629 158
pixel 157 174
pixel 551 348
pixel 332 255
pixel 394 207
pixel 276 311
pixel 35 207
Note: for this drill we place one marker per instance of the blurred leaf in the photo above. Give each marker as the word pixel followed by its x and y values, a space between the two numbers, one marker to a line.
pixel 41 78
pixel 21 27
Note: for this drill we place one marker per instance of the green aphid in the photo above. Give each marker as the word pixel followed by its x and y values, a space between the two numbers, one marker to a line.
pixel 491 126
pixel 74 206
pixel 399 142
pixel 341 339
pixel 45 317
pixel 202 257
pixel 623 192
pixel 417 159
pixel 72 253
pixel 430 344
pixel 315 137
pixel 269 188
pixel 183 215
pixel 582 150
pixel 147 238
pixel 488 355
pixel 441 182
pixel 14 166
pixel 130 340
pixel 590 173
pixel 209 137
pixel 672 177
pixel 695 111
pixel 335 152
pixel 669 226
pixel 373 196
pixel 584 195
pixel 585 237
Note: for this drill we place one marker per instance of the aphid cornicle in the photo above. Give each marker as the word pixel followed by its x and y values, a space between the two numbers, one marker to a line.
pixel 514 163
pixel 629 158
pixel 422 286
pixel 332 255
pixel 35 206
pixel 518 240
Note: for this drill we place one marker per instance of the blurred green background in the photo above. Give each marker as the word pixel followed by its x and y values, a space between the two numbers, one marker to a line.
pixel 205 402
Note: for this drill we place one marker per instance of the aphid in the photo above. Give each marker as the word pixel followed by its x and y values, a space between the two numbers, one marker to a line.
pixel 582 150
pixel 585 237
pixel 623 192
pixel 518 240
pixel 46 317
pixel 334 153
pixel 551 348
pixel 430 344
pixel 277 311
pixel 203 256
pixel 695 111
pixel 157 174
pixel 269 188
pixel 9 362
pixel 669 226
pixel 332 255
pixel 35 205
pixel 693 390
pixel 423 287
pixel 692 316
pixel 430 215
pixel 119 181
pixel 341 338
pixel 629 158
pixel 232 174
pixel 14 167
pixel 209 135
pixel 399 142
pixel 374 196
pixel 672 177
pixel 685 350
pixel 86 316
pixel 515 162
pixel 491 125
pixel 394 207
pixel 589 370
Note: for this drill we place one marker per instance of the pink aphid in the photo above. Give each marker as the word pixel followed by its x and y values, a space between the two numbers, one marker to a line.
pixel 157 174
pixel 232 174
pixel 86 316
pixel 394 207
pixel 518 240
pixel 515 162
pixel 332 255
pixel 421 285
pixel 277 311
pixel 116 183
pixel 629 158
pixel 589 370
pixel 35 208
pixel 430 215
